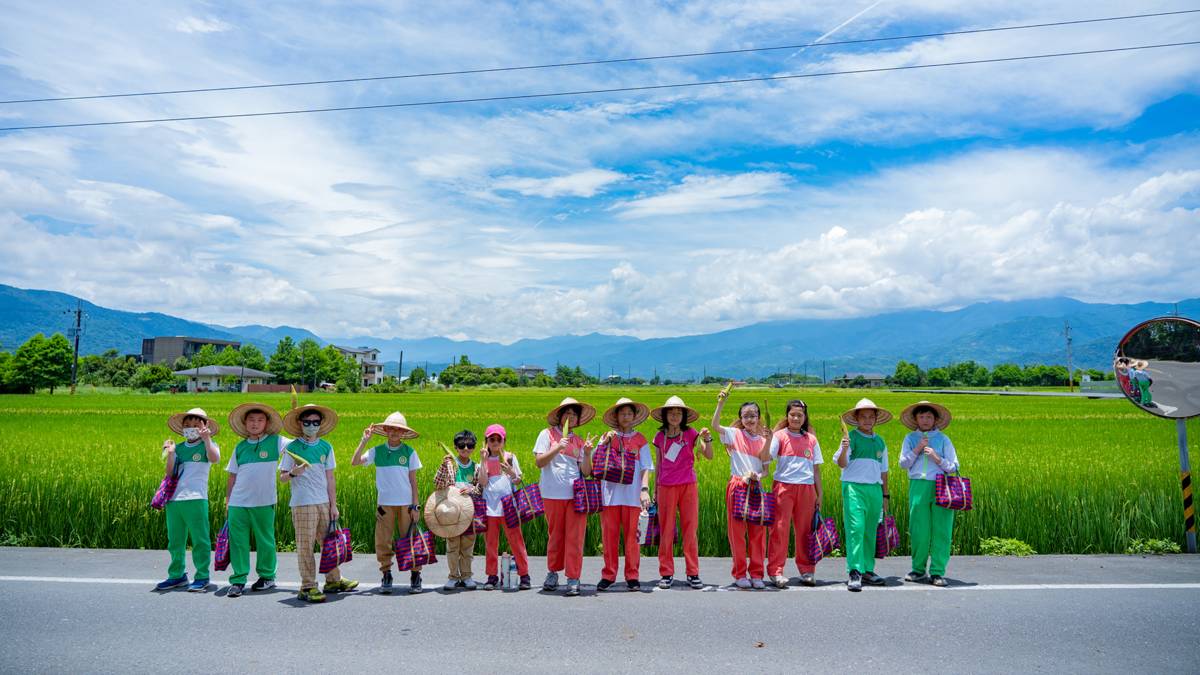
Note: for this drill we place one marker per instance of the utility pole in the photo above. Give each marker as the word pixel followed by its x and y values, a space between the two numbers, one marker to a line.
pixel 1070 372
pixel 823 380
pixel 74 332
pixel 400 368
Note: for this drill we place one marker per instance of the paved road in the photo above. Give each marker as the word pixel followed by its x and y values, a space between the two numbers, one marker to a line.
pixel 75 610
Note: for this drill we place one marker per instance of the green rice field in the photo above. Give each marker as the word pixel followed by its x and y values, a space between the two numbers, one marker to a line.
pixel 1064 475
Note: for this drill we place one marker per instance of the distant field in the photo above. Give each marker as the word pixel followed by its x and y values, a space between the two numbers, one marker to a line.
pixel 1064 475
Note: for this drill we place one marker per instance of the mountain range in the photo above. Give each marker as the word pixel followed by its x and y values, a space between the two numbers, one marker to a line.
pixel 1023 331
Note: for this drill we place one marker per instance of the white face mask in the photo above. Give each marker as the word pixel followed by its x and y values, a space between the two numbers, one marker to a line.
pixel 310 430
pixel 192 434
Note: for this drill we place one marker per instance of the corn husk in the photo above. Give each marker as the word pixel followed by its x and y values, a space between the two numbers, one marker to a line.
pixel 566 428
pixel 295 399
pixel 297 458
pixel 727 388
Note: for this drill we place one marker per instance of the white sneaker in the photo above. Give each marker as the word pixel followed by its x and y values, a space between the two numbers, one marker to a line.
pixel 450 584
pixel 780 581
pixel 757 584
pixel 742 583
pixel 470 584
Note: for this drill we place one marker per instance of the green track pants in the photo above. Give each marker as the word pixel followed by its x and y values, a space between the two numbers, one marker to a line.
pixel 243 520
pixel 862 508
pixel 188 518
pixel 929 528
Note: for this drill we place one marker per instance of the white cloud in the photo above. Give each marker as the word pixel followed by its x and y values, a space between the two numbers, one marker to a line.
pixel 708 194
pixel 579 184
pixel 193 24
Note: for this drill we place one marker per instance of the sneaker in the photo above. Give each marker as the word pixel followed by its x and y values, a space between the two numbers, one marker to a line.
pixel 912 577
pixel 491 583
pixel 313 594
pixel 742 583
pixel 173 582
pixel 757 584
pixel 872 579
pixel 551 582
pixel 525 584
pixel 235 590
pixel 263 584
pixel 414 583
pixel 603 585
pixel 341 586
pixel 695 582
pixel 665 582
pixel 572 587
pixel 938 580
pixel 451 584
pixel 385 586
pixel 780 581
pixel 633 584
pixel 807 579
pixel 198 586
pixel 855 582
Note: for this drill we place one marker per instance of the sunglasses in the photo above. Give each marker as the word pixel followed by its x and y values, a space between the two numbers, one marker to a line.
pixel 465 446
pixel 310 423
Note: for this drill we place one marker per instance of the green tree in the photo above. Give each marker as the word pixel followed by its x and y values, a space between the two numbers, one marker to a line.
pixel 252 357
pixel 938 377
pixel 417 376
pixel 229 356
pixel 154 377
pixel 285 362
pixel 907 374
pixel 311 362
pixel 206 356
pixel 1006 375
pixel 56 362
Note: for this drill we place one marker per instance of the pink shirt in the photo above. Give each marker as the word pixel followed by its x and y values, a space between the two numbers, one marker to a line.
pixel 682 471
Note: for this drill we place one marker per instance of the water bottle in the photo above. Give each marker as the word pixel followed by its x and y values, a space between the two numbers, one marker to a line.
pixel 506 580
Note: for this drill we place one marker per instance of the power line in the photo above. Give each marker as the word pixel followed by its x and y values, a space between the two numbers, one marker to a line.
pixel 582 92
pixel 632 59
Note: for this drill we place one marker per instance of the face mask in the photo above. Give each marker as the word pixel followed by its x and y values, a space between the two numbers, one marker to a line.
pixel 192 434
pixel 310 428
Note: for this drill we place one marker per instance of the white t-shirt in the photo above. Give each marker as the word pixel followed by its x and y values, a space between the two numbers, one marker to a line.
pixel 498 484
pixel 256 481
pixel 616 494
pixel 743 451
pixel 312 486
pixel 193 477
pixel 559 475
pixel 796 457
pixel 392 468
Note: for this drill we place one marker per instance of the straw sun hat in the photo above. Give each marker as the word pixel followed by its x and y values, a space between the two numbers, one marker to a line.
pixel 291 421
pixel 881 415
pixel 394 421
pixel 908 416
pixel 175 422
pixel 689 414
pixel 641 412
pixel 448 512
pixel 237 418
pixel 553 417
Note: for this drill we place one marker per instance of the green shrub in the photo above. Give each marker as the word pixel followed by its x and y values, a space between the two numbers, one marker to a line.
pixel 1005 546
pixel 1152 547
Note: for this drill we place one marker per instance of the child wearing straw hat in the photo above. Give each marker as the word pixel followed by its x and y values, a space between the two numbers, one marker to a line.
pixel 676 487
pixel 396 465
pixel 926 453
pixel 562 458
pixel 797 489
pixel 744 442
pixel 460 548
pixel 863 459
pixel 250 494
pixel 623 504
pixel 308 465
pixel 187 510
pixel 499 473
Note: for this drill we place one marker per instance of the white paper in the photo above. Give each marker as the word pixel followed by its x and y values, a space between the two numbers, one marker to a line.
pixel 673 451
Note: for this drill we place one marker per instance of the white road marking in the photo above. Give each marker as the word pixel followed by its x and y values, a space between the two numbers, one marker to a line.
pixel 118 580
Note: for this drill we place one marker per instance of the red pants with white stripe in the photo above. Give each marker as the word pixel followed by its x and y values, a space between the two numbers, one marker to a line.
pixel 739 532
pixel 516 542
pixel 795 504
pixel 613 519
pixel 686 499
pixel 564 542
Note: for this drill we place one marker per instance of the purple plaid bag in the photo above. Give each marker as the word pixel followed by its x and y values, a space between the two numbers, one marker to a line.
pixel 588 497
pixel 166 489
pixel 221 550
pixel 614 463
pixel 335 549
pixel 651 536
pixel 953 492
pixel 887 537
pixel 414 549
pixel 479 522
pixel 823 538
pixel 523 505
pixel 753 505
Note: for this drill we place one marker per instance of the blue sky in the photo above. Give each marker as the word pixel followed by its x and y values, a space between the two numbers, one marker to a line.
pixel 648 214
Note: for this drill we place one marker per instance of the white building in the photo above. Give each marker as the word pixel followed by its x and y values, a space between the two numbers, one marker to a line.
pixel 211 378
pixel 368 359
